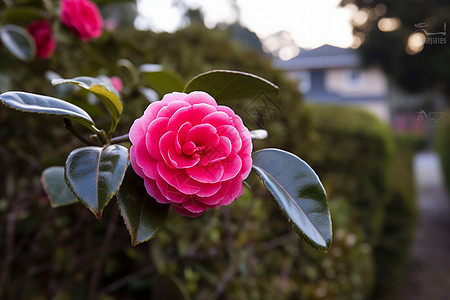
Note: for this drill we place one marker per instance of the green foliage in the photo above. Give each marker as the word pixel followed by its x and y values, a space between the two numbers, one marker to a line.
pixel 38 104
pixel 226 85
pixel 371 170
pixel 56 188
pixel 103 90
pixel 353 154
pixel 18 41
pixel 299 193
pixel 442 147
pixel 419 71
pixel 142 215
pixel 397 233
pixel 162 81
pixel 94 174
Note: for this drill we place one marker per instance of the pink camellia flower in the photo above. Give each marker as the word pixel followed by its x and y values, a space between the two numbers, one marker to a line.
pixel 191 152
pixel 116 83
pixel 82 17
pixel 41 31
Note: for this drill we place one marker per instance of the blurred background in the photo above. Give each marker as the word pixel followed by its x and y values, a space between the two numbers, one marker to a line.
pixel 364 98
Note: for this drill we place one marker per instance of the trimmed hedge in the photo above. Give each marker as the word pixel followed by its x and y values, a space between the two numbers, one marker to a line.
pixel 361 162
pixel 443 148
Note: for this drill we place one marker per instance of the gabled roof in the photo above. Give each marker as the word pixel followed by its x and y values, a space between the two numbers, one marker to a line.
pixel 324 57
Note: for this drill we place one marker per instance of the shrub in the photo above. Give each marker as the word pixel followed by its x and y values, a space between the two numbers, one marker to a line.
pixel 442 147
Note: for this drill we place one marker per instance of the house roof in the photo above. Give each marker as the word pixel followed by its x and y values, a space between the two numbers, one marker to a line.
pixel 324 57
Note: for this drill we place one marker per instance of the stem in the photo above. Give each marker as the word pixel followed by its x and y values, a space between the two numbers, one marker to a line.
pixel 68 126
pixel 120 139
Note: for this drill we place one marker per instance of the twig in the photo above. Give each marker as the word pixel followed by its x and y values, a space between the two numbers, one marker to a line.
pixel 120 139
pixel 68 126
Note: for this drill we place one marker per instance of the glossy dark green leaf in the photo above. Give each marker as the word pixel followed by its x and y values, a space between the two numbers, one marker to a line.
pixel 18 41
pixel 299 193
pixel 103 90
pixel 94 174
pixel 55 187
pixel 160 80
pixel 38 104
pixel 142 215
pixel 226 85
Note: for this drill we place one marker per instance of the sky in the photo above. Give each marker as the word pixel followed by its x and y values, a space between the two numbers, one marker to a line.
pixel 307 23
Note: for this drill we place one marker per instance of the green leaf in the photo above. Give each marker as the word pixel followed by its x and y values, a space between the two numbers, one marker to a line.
pixel 94 174
pixel 225 85
pixel 38 104
pixel 142 215
pixel 299 193
pixel 160 80
pixel 55 187
pixel 18 41
pixel 22 15
pixel 103 90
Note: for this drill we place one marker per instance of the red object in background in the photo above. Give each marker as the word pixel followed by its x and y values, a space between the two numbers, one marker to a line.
pixel 41 31
pixel 83 18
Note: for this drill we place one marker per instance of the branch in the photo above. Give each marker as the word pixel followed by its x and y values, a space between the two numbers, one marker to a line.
pixel 120 139
pixel 68 126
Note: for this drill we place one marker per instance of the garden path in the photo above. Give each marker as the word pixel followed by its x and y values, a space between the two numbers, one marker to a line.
pixel 428 272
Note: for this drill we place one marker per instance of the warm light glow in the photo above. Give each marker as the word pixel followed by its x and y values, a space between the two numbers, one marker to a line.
pixel 380 10
pixel 358 39
pixel 360 17
pixel 389 24
pixel 416 41
pixel 287 53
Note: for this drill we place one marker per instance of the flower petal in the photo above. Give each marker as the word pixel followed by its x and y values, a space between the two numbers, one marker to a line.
pixel 154 191
pixel 234 192
pixel 184 212
pixel 193 114
pixel 174 96
pixel 217 119
pixel 246 166
pixel 181 135
pixel 165 143
pixel 200 97
pixel 135 166
pixel 171 108
pixel 181 161
pixel 217 197
pixel 156 130
pixel 203 135
pixel 216 153
pixel 232 165
pixel 195 206
pixel 232 134
pixel 206 174
pixel 171 193
pixel 209 189
pixel 144 160
pixel 179 179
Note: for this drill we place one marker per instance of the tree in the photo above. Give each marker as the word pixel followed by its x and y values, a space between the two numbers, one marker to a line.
pixel 408 39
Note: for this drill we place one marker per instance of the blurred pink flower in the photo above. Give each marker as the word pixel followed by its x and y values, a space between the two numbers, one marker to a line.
pixel 41 31
pixel 82 17
pixel 117 83
pixel 191 152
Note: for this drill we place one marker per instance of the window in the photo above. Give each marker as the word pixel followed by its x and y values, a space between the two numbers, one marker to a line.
pixel 354 78
pixel 305 81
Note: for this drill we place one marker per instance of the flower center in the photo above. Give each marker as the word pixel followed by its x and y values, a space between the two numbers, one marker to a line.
pixel 191 149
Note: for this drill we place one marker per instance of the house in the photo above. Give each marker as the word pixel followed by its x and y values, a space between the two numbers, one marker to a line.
pixel 332 75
